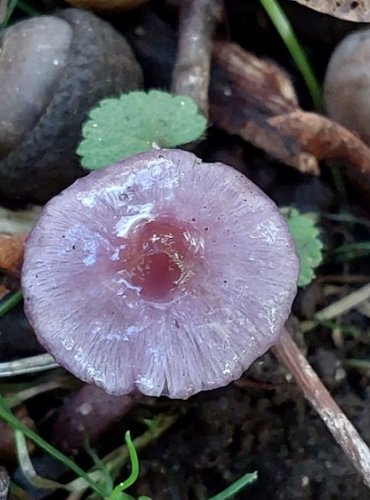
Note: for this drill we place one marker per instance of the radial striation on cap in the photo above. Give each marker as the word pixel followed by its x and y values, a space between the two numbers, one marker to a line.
pixel 161 274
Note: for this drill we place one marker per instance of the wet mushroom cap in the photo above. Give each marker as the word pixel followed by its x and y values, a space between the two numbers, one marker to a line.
pixel 161 274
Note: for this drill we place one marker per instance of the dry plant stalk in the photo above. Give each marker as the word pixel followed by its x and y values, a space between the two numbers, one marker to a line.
pixel 198 20
pixel 319 397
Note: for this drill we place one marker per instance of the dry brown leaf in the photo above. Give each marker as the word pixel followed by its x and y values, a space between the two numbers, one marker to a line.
pixel 255 99
pixel 246 93
pixel 327 140
pixel 11 254
pixel 349 10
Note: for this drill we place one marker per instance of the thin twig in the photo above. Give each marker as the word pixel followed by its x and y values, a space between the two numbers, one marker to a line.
pixel 345 304
pixel 198 19
pixel 32 364
pixel 336 421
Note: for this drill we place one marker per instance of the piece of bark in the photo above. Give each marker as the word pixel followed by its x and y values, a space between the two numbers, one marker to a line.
pixel 87 416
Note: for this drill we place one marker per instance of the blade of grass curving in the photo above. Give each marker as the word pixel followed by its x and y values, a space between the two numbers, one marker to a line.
pixel 115 495
pixel 285 30
pixel 237 486
pixel 8 416
pixel 115 460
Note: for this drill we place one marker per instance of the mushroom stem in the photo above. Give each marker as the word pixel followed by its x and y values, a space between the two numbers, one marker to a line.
pixel 336 421
pixel 198 19
pixel 88 415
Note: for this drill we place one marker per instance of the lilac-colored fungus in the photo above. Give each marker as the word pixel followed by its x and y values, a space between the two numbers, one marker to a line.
pixel 161 274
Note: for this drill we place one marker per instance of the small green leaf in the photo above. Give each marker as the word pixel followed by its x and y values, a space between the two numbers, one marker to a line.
pixel 307 239
pixel 138 122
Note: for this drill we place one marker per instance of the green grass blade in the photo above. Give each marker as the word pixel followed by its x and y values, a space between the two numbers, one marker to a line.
pixel 134 469
pixel 7 415
pixel 234 488
pixel 9 302
pixel 285 30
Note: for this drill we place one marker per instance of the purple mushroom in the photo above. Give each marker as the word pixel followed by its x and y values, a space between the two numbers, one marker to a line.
pixel 160 274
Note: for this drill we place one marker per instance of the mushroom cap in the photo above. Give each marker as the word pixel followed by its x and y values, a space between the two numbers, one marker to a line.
pixel 94 263
pixel 347 83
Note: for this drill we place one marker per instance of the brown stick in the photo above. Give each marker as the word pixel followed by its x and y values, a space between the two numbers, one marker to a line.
pixel 198 19
pixel 336 421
